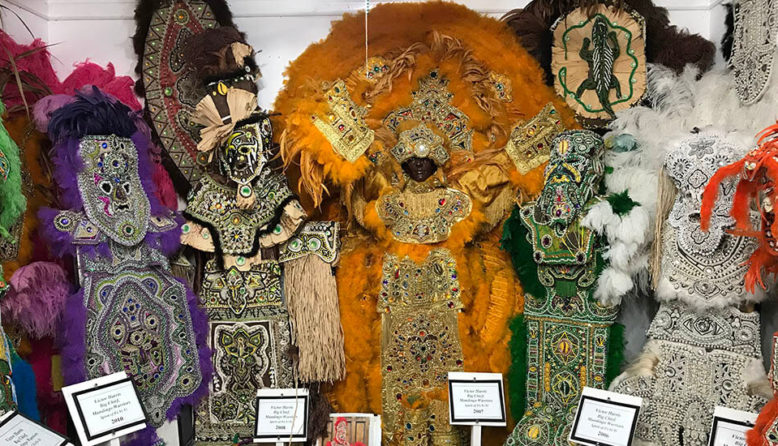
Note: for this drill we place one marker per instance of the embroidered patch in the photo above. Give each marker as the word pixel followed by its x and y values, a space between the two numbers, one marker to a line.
pixel 754 42
pixel 316 237
pixel 598 61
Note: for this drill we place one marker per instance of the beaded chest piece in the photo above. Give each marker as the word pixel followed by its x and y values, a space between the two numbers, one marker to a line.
pixel 704 268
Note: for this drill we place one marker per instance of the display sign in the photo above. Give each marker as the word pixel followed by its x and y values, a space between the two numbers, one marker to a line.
pixel 18 430
pixel 730 426
pixel 282 415
pixel 105 408
pixel 605 418
pixel 476 399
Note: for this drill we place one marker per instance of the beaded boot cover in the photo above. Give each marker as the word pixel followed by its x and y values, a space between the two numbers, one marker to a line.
pixel 420 151
pixel 130 313
pixel 568 334
pixel 702 351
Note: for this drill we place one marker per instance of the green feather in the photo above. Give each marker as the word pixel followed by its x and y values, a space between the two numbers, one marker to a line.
pixel 13 202
pixel 621 203
pixel 517 373
pixel 515 240
pixel 615 353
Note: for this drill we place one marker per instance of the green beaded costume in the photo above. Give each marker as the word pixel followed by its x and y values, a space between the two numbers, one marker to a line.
pixel 566 339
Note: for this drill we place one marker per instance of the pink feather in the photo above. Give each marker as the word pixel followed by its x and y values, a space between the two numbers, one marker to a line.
pixel 36 299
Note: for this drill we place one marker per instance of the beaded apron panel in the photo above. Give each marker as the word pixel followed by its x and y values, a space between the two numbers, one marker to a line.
pixel 420 345
pixel 702 363
pixel 138 321
pixel 567 331
pixel 250 336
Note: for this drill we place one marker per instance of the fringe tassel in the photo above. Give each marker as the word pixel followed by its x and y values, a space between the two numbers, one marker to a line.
pixel 664 205
pixel 313 308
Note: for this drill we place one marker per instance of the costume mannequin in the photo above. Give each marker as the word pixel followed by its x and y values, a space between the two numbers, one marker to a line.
pixel 568 337
pixel 130 313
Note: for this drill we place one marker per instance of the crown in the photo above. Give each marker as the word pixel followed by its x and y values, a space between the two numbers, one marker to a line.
pixel 431 105
pixel 420 142
pixel 344 125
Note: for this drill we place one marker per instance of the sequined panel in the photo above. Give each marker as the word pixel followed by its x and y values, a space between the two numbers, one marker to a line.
pixel 529 144
pixel 754 42
pixel 138 321
pixel 420 346
pixel 344 125
pixel 250 336
pixel 110 187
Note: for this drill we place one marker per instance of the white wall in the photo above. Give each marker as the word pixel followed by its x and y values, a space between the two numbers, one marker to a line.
pixel 100 30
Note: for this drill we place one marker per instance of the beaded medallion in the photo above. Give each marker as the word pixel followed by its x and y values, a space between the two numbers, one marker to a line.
pixel 530 142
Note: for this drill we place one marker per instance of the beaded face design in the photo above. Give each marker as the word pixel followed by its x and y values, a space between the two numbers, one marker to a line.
pixel 243 156
pixel 573 172
pixel 111 189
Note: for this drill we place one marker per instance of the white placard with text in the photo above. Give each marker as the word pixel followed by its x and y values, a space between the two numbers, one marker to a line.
pixel 476 399
pixel 730 426
pixel 605 418
pixel 105 408
pixel 282 415
pixel 18 430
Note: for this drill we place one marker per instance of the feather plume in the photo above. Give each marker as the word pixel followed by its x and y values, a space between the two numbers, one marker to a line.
pixel 37 298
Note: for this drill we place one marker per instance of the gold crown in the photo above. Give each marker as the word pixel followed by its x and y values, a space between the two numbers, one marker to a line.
pixel 420 142
pixel 530 142
pixel 431 105
pixel 344 125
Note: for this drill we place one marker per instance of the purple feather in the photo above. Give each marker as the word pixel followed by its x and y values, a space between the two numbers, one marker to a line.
pixel 200 325
pixel 145 437
pixel 46 106
pixel 73 337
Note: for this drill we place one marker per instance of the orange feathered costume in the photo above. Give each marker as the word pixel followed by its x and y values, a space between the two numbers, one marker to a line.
pixel 495 84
